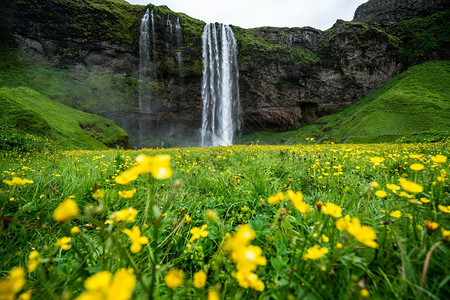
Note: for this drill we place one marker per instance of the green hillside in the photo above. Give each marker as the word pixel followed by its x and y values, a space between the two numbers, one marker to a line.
pixel 29 120
pixel 415 105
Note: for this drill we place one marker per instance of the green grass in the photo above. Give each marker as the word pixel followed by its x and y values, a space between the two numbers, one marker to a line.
pixel 236 182
pixel 26 112
pixel 413 106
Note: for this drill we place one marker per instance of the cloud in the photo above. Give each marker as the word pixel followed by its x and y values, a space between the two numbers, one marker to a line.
pixel 321 14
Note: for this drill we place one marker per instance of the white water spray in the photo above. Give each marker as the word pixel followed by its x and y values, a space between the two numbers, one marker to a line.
pixel 144 64
pixel 220 86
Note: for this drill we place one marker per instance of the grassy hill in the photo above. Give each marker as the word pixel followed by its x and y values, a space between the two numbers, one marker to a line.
pixel 414 105
pixel 29 120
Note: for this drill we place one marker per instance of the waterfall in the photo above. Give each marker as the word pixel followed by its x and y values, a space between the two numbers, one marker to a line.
pixel 144 65
pixel 179 38
pixel 220 86
pixel 169 30
pixel 154 42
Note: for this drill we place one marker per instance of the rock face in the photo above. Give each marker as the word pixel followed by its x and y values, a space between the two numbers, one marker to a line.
pixel 388 12
pixel 288 76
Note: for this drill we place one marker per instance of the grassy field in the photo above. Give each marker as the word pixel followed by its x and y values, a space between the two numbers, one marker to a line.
pixel 242 222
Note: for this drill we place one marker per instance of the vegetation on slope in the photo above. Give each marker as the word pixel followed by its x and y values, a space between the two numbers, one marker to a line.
pixel 415 104
pixel 29 120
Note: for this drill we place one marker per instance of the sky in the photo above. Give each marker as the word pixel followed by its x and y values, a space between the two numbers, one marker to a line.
pixel 320 14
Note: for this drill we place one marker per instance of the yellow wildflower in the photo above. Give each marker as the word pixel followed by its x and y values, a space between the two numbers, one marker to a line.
pixel 104 285
pixel 127 215
pixel 342 223
pixel 212 215
pixel 425 200
pixel 276 199
pixel 416 167
pixel 248 279
pixel 33 261
pixel 431 226
pixel 411 187
pixel 67 210
pixel 297 200
pixel 445 209
pixel 213 295
pixel 136 239
pixel 75 230
pixel 406 195
pixel 126 177
pixel 365 293
pixel 324 238
pixel 332 210
pixel 64 243
pixel 396 214
pixel 319 205
pixel 199 280
pixel 25 296
pixel 187 218
pixel 174 278
pixel 393 187
pixel 127 194
pixel 10 286
pixel 98 194
pixel 439 158
pixel 315 252
pixel 374 185
pixel 17 181
pixel 339 245
pixel 380 193
pixel 445 234
pixel 363 234
pixel 376 160
pixel 198 232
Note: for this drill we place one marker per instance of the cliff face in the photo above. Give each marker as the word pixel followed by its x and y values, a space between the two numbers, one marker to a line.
pixel 388 12
pixel 288 76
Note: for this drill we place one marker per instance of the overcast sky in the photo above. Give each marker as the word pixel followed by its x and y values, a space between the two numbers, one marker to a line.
pixel 320 14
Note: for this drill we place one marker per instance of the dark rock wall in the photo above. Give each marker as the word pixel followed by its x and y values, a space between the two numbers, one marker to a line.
pixel 388 12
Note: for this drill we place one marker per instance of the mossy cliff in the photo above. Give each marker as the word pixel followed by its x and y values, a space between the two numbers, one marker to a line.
pixel 85 54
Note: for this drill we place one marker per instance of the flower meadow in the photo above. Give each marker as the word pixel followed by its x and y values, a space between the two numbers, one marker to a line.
pixel 242 222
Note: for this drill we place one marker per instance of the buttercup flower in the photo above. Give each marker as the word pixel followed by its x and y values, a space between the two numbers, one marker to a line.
pixel 411 187
pixel 136 239
pixel 11 285
pixel 276 199
pixel 393 187
pixel 98 194
pixel 416 167
pixel 33 261
pixel 64 243
pixel 439 159
pixel 174 278
pixel 198 232
pixel 17 181
pixel 380 193
pixel 199 279
pixel 315 252
pixel 445 209
pixel 396 214
pixel 127 194
pixel 67 210
pixel 332 210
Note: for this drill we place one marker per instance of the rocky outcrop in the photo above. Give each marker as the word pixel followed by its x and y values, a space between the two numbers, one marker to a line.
pixel 388 12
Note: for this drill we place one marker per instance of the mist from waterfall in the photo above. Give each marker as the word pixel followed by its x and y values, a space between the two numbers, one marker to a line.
pixel 144 64
pixel 220 86
pixel 153 42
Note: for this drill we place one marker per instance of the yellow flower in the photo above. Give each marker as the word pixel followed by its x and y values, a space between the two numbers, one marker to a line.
pixel 213 295
pixel 198 232
pixel 365 293
pixel 406 195
pixel 445 209
pixel 315 252
pixel 174 278
pixel 276 199
pixel 393 187
pixel 248 279
pixel 98 194
pixel 380 193
pixel 396 214
pixel 67 210
pixel 431 226
pixel 411 187
pixel 342 223
pixel 103 285
pixel 376 160
pixel 64 243
pixel 33 261
pixel 24 296
pixel 136 239
pixel 10 286
pixel 324 238
pixel 445 234
pixel 127 194
pixel 416 167
pixel 74 230
pixel 187 218
pixel 339 245
pixel 332 210
pixel 374 185
pixel 17 181
pixel 199 279
pixel 297 200
pixel 425 200
pixel 127 215
pixel 319 205
pixel 439 158
pixel 126 177
pixel 416 156
pixel 363 234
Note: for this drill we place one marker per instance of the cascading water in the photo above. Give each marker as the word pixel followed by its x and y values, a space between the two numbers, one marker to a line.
pixel 153 41
pixel 220 86
pixel 179 56
pixel 169 29
pixel 144 64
